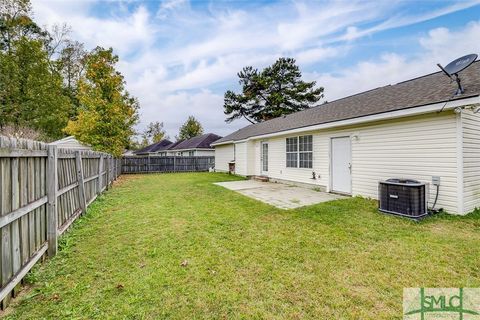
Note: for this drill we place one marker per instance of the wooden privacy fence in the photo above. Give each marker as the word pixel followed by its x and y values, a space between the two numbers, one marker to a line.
pixel 43 190
pixel 150 164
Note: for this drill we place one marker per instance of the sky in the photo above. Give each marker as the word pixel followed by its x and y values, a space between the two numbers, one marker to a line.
pixel 179 57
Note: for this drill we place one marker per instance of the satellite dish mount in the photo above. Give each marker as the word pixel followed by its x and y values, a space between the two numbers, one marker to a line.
pixel 453 68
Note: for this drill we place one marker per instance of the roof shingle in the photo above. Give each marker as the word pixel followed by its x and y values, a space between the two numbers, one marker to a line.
pixel 198 142
pixel 428 89
pixel 159 146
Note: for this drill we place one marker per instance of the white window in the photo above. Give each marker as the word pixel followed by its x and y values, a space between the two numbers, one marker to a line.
pixel 292 152
pixel 299 151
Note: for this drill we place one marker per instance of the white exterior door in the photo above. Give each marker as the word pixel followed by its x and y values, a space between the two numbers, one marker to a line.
pixel 264 158
pixel 341 164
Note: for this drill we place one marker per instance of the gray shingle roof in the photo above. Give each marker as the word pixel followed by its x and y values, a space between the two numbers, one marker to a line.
pixel 428 89
pixel 198 142
pixel 159 146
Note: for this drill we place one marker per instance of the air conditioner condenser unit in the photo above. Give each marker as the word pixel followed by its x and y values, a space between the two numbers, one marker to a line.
pixel 403 197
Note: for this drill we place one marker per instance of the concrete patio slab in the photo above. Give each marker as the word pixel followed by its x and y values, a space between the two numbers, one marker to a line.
pixel 280 195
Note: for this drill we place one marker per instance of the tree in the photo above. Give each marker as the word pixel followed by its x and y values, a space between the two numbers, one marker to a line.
pixel 191 128
pixel 154 133
pixel 71 65
pixel 31 95
pixel 16 23
pixel 275 91
pixel 30 91
pixel 107 112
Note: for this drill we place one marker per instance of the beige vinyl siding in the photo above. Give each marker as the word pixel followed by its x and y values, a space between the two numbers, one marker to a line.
pixel 186 153
pixel 415 147
pixel 223 155
pixel 204 153
pixel 253 148
pixel 418 148
pixel 241 159
pixel 277 162
pixel 471 160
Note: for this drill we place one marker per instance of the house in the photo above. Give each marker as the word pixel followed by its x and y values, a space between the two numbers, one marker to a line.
pixel 414 129
pixel 128 153
pixel 195 147
pixel 158 148
pixel 70 143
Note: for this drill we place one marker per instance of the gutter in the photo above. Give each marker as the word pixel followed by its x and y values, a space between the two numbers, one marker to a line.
pixel 192 149
pixel 412 111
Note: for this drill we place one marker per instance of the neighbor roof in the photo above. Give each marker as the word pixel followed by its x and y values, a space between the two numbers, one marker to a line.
pixel 71 143
pixel 159 146
pixel 173 145
pixel 428 89
pixel 198 142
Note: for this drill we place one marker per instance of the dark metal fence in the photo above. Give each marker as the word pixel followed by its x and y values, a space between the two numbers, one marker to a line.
pixel 150 164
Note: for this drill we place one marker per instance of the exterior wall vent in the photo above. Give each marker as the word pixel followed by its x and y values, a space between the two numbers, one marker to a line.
pixel 403 197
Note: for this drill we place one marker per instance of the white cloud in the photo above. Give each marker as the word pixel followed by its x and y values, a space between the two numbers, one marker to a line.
pixel 179 60
pixel 404 20
pixel 127 33
pixel 206 106
pixel 440 45
pixel 444 45
pixel 312 55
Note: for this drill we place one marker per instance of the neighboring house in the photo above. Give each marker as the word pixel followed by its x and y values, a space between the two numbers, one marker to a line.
pixel 70 143
pixel 195 147
pixel 128 153
pixel 158 148
pixel 413 129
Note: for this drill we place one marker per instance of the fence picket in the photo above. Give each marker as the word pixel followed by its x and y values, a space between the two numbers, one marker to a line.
pixel 43 190
pixel 81 183
pixel 52 189
pixel 151 164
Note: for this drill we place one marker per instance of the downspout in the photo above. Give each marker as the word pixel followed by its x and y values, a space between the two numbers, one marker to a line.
pixel 459 152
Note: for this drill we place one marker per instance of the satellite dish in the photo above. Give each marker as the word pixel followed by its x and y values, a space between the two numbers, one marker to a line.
pixel 457 65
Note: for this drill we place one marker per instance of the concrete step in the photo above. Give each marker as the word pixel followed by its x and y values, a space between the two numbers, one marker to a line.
pixel 260 178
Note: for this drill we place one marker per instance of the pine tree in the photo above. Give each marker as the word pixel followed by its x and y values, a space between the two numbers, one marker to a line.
pixel 275 91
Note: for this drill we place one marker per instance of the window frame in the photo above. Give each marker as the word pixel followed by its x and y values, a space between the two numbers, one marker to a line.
pixel 299 152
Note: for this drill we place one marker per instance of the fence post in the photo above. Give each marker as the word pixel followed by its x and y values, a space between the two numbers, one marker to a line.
pixel 107 174
pixel 15 231
pixel 174 160
pixel 100 175
pixel 81 184
pixel 52 188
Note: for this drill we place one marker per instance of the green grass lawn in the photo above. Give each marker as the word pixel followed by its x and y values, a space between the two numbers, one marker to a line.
pixel 176 246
